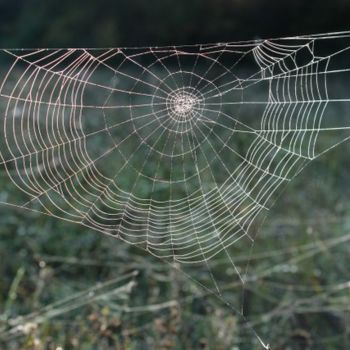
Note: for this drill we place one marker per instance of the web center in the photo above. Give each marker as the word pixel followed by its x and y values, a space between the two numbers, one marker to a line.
pixel 183 105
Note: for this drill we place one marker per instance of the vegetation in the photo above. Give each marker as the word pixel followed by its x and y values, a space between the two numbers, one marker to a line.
pixel 64 286
pixel 90 23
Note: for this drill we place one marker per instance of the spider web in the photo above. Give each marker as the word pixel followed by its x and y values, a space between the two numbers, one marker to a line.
pixel 178 150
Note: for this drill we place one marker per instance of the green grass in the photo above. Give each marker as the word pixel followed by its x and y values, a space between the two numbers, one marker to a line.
pixel 65 286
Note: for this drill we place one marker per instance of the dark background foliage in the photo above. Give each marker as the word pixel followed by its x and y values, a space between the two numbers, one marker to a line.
pixel 91 23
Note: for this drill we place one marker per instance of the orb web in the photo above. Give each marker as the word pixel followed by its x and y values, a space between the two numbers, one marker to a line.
pixel 177 150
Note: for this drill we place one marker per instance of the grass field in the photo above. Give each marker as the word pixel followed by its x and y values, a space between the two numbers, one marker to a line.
pixel 64 286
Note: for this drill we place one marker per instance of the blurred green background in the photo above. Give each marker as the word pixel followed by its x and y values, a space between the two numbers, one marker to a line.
pixel 66 287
